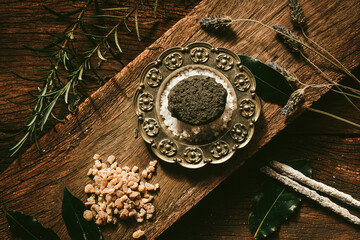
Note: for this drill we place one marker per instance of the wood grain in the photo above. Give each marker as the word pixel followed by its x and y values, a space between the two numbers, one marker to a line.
pixel 105 122
pixel 334 152
pixel 27 24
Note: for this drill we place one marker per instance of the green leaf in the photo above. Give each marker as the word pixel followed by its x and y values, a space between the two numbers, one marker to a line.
pixel 77 226
pixel 155 7
pixel 100 55
pixel 28 228
pixel 270 84
pixel 18 146
pixel 150 22
pixel 274 204
pixel 45 50
pixel 106 16
pixel 127 27
pixel 116 9
pixel 48 109
pixel 98 12
pixel 137 24
pixel 62 15
pixel 66 97
pixel 21 103
pixel 117 40
pixel 29 79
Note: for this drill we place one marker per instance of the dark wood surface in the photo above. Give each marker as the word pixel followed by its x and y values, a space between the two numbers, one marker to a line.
pixel 334 151
pixel 223 214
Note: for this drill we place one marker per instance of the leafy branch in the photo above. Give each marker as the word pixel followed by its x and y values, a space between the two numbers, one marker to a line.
pixel 43 108
pixel 70 66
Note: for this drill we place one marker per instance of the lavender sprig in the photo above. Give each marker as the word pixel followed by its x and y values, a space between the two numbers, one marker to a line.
pixel 216 23
pixel 296 13
pixel 290 38
pixel 294 100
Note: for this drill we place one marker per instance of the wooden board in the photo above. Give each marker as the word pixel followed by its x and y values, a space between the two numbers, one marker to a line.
pixel 334 149
pixel 14 58
pixel 105 124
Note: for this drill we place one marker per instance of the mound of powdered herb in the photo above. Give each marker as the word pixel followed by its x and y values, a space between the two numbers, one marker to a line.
pixel 197 100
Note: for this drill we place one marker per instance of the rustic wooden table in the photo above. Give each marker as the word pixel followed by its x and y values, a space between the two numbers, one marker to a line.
pixel 333 146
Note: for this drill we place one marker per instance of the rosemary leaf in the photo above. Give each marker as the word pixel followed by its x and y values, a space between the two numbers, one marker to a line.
pixel 127 27
pixel 81 73
pixel 66 97
pixel 44 50
pixel 102 27
pixel 107 16
pixel 47 113
pixel 56 118
pixel 65 58
pixel 90 35
pixel 137 24
pixel 32 121
pixel 117 40
pixel 116 9
pixel 155 7
pixel 98 12
pixel 151 22
pixel 99 54
pixel 106 44
pixel 20 144
pixel 21 103
pixel 29 79
pixel 59 15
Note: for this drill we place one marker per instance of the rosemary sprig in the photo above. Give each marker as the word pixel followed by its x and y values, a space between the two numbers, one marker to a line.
pixel 43 108
pixel 70 66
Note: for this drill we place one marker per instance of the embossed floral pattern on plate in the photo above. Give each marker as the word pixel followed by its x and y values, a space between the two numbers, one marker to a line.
pixel 235 135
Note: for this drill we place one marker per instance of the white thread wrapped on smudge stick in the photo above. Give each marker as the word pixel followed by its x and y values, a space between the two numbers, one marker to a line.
pixel 298 176
pixel 323 201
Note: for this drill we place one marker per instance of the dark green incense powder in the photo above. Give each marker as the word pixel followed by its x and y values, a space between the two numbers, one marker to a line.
pixel 197 100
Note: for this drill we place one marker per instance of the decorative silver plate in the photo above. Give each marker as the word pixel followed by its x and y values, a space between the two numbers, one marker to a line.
pixel 196 146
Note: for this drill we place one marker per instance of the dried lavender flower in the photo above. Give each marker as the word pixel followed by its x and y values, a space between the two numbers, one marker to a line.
pixel 290 77
pixel 296 13
pixel 216 23
pixel 293 101
pixel 290 38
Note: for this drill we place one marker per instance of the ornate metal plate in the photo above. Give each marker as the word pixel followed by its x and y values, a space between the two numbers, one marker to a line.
pixel 213 147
